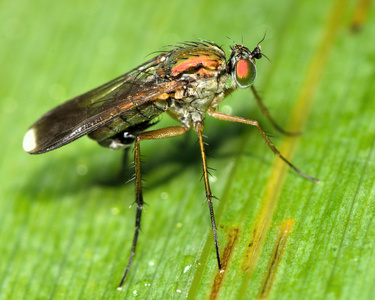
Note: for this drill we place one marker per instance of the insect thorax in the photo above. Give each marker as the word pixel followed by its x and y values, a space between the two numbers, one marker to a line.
pixel 198 97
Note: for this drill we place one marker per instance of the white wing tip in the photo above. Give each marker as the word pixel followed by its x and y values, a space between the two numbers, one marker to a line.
pixel 29 141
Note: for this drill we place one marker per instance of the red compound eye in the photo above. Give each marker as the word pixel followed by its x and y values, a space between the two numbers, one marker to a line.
pixel 245 73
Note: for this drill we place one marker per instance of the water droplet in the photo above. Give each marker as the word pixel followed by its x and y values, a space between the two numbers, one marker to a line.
pixel 187 268
pixel 227 109
pixel 115 211
pixel 164 195
pixel 81 170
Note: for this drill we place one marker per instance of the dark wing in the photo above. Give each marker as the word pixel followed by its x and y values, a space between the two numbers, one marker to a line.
pixel 85 113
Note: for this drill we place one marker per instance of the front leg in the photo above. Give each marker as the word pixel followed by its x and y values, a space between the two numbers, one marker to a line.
pixel 268 116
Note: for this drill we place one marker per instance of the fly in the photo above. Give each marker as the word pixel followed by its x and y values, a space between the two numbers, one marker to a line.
pixel 187 82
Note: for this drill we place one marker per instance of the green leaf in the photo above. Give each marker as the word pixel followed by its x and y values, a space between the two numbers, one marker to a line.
pixel 65 225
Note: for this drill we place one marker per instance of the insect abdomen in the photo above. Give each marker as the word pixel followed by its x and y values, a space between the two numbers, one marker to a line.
pixel 127 122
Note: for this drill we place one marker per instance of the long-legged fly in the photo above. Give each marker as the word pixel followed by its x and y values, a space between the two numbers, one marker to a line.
pixel 187 82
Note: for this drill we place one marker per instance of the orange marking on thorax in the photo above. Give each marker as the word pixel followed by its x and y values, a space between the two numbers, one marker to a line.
pixel 194 62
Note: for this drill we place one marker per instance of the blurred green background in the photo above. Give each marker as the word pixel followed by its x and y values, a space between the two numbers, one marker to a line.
pixel 66 227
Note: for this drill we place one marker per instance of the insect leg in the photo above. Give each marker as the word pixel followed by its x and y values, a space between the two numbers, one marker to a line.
pixel 198 126
pixel 148 135
pixel 268 116
pixel 226 117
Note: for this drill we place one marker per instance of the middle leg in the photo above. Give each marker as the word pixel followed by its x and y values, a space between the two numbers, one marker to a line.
pixel 198 126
